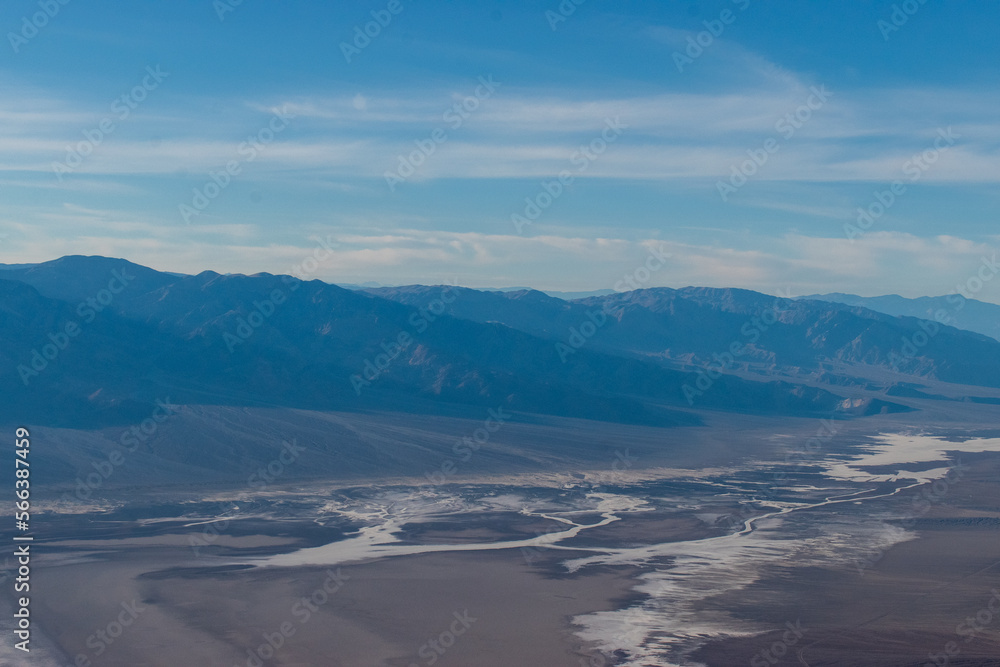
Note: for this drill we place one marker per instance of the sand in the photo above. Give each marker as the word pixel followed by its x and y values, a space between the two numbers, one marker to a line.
pixel 384 613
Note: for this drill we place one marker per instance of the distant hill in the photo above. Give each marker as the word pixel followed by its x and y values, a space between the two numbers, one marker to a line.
pixel 693 326
pixel 968 314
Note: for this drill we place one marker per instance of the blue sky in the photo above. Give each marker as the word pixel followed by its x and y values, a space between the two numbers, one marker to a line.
pixel 643 137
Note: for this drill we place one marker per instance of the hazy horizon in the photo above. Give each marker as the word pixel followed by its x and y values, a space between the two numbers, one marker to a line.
pixel 622 284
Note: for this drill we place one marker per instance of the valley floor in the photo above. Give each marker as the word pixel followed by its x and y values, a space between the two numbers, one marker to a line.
pixel 879 549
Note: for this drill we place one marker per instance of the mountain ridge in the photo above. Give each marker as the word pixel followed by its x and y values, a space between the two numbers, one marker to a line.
pixel 643 356
pixel 280 340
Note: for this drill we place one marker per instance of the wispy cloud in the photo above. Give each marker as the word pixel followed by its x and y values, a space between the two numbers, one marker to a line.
pixel 529 133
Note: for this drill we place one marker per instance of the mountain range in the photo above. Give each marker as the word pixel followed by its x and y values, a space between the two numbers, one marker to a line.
pixel 964 313
pixel 89 341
